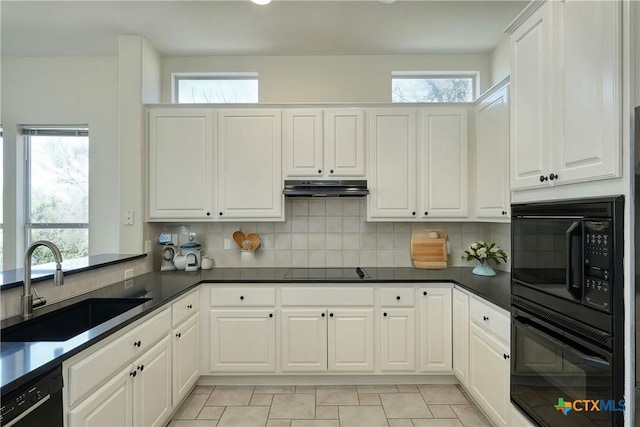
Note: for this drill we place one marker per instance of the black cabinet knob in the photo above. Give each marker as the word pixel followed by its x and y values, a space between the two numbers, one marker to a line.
pixel 331 171
pixel 424 293
pixel 543 178
pixel 330 314
pixel 190 306
pixel 398 297
pixel 384 314
pixel 220 213
pixel 485 318
pixel 413 213
pixel 178 335
pixel 504 212
pixel 319 170
pixel 426 213
pixel 141 368
pixel 241 297
pixel 553 176
pixel 322 314
pixel 506 356
pixel 137 344
pixel 208 213
pixel 133 374
pixel 270 314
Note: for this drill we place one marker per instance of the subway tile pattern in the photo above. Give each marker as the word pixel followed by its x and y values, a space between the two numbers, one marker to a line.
pixel 334 233
pixel 326 406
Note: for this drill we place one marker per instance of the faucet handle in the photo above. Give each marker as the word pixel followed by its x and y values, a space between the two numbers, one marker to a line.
pixel 38 301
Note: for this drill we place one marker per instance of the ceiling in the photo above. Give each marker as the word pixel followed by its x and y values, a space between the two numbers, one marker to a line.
pixel 238 27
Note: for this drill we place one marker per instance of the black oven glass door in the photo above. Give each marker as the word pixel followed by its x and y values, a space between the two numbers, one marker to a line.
pixel 547 367
pixel 547 255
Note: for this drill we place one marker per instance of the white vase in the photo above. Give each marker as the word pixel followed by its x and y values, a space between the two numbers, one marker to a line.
pixel 483 269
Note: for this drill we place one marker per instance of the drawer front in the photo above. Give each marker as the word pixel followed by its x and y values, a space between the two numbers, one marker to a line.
pixel 99 366
pixel 397 297
pixel 327 297
pixel 184 307
pixel 490 319
pixel 242 297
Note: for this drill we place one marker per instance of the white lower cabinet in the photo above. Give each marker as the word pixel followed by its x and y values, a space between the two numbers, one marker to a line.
pixel 398 339
pixel 460 323
pixel 139 395
pixel 185 358
pixel 435 330
pixel 333 340
pixel 242 340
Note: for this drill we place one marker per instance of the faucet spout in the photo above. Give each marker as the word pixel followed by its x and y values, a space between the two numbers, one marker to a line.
pixel 58 278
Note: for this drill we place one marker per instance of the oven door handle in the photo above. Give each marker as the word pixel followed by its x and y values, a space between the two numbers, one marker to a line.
pixel 574 266
pixel 596 362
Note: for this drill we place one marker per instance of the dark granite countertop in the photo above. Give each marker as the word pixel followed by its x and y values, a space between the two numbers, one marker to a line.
pixel 21 362
pixel 13 278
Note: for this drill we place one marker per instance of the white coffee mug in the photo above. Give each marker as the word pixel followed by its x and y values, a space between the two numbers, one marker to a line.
pixel 207 263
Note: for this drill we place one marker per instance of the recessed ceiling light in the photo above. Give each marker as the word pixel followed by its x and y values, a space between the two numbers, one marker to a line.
pixel 263 2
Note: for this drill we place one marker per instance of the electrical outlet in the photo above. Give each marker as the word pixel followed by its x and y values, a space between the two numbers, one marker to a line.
pixel 128 218
pixel 227 243
pixel 147 246
pixel 128 273
pixel 128 283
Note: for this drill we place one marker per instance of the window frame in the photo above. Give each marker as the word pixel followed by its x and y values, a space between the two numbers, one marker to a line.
pixel 26 132
pixel 473 75
pixel 177 77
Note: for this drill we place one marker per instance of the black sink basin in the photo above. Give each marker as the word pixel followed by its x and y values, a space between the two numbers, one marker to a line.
pixel 67 322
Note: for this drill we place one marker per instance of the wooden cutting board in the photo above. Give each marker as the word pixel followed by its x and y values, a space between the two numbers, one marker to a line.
pixel 429 252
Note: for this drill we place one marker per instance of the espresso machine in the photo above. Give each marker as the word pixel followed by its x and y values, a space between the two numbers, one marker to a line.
pixel 169 250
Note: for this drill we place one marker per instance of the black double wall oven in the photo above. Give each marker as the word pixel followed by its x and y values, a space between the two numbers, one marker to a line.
pixel 567 312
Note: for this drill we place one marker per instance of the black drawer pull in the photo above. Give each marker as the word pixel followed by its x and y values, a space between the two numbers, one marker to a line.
pixel 241 297
pixel 384 314
pixel 506 356
pixel 133 374
pixel 137 344
pixel 398 297
pixel 270 314
pixel 190 306
pixel 485 318
pixel 323 315
pixel 178 335
pixel 141 368
pixel 424 293
pixel 330 314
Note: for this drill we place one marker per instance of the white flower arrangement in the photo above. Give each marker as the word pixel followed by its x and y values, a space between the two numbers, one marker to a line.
pixel 483 251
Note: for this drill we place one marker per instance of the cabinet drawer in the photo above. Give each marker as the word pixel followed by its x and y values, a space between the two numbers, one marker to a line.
pixel 100 365
pixel 333 297
pixel 490 319
pixel 397 297
pixel 242 297
pixel 184 307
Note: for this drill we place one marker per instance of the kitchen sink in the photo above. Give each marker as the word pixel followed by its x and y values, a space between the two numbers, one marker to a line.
pixel 67 322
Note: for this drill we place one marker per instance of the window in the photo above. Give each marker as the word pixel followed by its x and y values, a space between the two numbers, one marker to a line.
pixel 215 88
pixel 433 87
pixel 57 189
pixel 1 200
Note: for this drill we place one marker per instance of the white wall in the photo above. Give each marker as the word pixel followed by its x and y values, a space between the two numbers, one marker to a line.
pixel 500 61
pixel 324 78
pixel 63 90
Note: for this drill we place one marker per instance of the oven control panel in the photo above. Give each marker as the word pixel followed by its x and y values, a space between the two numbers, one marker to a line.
pixel 35 393
pixel 597 264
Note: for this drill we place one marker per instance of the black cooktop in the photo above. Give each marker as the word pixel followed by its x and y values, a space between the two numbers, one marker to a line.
pixel 355 273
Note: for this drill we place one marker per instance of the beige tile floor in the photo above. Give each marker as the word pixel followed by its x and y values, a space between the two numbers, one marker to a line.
pixel 328 406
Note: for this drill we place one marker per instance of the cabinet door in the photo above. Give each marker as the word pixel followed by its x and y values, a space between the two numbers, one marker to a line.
pixel 242 340
pixel 588 51
pixel 350 340
pixel 111 405
pixel 180 164
pixel 344 143
pixel 302 135
pixel 492 156
pixel 392 166
pixel 398 339
pixel 489 375
pixel 250 165
pixel 435 330
pixel 152 386
pixel 444 163
pixel 304 340
pixel 460 320
pixel 530 100
pixel 185 358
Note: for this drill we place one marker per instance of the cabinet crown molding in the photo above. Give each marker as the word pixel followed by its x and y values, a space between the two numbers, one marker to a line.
pixel 524 15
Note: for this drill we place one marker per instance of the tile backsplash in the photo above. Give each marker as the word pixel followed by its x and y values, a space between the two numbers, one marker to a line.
pixel 330 233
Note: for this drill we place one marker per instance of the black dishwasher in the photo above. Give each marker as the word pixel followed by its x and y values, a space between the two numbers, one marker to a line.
pixel 37 403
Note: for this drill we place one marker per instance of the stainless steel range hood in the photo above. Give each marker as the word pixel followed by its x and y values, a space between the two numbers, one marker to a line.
pixel 325 188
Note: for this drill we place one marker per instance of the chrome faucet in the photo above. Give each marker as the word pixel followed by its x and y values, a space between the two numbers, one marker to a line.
pixel 28 303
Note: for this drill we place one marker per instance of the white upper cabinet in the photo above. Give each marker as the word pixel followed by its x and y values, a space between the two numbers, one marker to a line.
pixel 249 167
pixel 492 155
pixel 324 143
pixel 180 140
pixel 392 160
pixel 443 163
pixel 565 110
